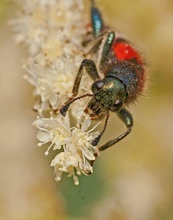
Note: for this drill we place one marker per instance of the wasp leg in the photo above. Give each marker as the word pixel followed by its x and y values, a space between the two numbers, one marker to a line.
pixel 97 139
pixel 98 28
pixel 95 47
pixel 108 43
pixel 110 39
pixel 126 117
pixel 96 20
pixel 91 70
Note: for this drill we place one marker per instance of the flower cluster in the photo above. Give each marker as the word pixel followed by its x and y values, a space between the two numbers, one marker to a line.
pixel 52 32
pixel 74 142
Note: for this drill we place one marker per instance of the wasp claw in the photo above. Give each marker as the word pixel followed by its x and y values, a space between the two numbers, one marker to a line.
pixel 63 110
pixel 95 141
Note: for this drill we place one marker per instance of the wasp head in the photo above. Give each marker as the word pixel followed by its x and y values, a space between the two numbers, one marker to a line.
pixel 108 94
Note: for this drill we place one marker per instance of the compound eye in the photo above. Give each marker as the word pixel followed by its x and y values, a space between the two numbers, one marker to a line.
pixel 118 104
pixel 96 86
pixel 99 84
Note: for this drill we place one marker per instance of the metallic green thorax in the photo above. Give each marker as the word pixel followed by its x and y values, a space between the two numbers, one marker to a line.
pixel 109 97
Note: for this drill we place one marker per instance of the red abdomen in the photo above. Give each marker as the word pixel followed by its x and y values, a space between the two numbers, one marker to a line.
pixel 123 51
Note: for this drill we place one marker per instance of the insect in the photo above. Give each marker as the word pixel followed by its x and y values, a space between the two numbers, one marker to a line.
pixel 123 82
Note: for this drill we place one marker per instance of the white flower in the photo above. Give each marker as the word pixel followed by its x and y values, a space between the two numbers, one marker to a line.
pixel 74 141
pixel 55 131
pixel 45 25
pixel 70 163
pixel 59 133
pixel 52 32
pixel 54 83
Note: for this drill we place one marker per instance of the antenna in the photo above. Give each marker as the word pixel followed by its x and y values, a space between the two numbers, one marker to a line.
pixel 64 109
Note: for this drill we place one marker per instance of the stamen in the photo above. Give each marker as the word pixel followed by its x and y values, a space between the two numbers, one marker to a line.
pixel 47 152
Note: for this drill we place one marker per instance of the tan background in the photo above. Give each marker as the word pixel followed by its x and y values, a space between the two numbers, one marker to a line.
pixel 133 181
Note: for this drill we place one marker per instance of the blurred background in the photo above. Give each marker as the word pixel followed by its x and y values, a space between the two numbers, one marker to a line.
pixel 131 181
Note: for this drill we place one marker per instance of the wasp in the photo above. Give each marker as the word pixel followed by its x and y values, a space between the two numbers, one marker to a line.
pixel 123 81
